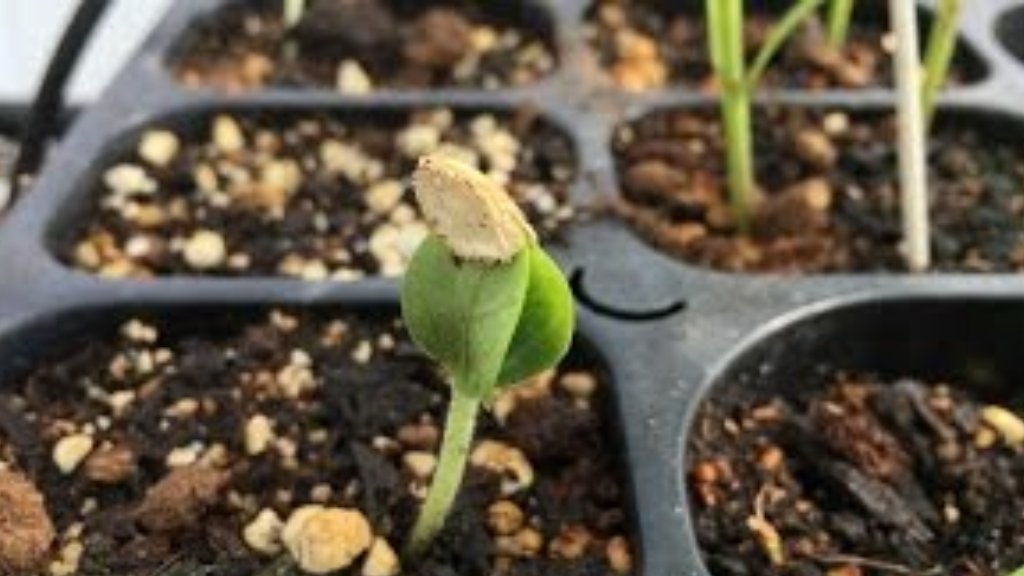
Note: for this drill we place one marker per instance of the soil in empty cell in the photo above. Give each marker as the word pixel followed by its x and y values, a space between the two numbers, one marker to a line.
pixel 180 449
pixel 828 199
pixel 357 46
pixel 312 197
pixel 649 44
pixel 859 477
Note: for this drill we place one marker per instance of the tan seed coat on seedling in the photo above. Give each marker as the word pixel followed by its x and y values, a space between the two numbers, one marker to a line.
pixel 472 213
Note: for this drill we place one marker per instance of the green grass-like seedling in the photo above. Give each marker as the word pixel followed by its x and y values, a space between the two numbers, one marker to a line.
pixel 737 85
pixel 490 322
pixel 840 12
pixel 939 53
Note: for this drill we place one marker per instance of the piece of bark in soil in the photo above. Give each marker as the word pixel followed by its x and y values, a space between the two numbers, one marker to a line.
pixel 181 498
pixel 26 532
pixel 880 500
pixel 876 497
pixel 856 435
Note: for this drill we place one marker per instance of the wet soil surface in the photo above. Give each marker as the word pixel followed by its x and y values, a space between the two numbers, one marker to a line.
pixel 859 477
pixel 829 198
pixel 303 196
pixel 180 448
pixel 649 44
pixel 357 46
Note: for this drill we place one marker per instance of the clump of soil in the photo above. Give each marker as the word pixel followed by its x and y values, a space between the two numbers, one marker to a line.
pixel 304 196
pixel 829 198
pixel 858 477
pixel 358 46
pixel 227 447
pixel 649 44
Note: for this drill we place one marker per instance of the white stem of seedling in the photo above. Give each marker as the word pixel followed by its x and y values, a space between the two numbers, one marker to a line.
pixel 911 135
pixel 293 10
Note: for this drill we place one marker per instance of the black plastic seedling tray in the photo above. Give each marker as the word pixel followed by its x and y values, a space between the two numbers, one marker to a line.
pixel 716 327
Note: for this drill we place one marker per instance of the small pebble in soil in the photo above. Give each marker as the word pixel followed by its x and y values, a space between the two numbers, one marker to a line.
pixel 324 540
pixel 311 197
pixel 854 475
pixel 224 444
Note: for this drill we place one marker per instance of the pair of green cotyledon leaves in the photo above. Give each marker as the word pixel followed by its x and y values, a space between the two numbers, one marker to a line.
pixel 480 296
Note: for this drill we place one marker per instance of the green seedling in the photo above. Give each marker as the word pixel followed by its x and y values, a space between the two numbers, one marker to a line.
pixel 483 299
pixel 1018 572
pixel 725 37
pixel 939 53
pixel 840 12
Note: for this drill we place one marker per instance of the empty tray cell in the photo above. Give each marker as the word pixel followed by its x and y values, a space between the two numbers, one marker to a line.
pixel 649 44
pixel 178 440
pixel 872 438
pixel 304 195
pixel 356 46
pixel 829 192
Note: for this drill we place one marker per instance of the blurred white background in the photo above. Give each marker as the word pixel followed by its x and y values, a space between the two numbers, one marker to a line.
pixel 30 29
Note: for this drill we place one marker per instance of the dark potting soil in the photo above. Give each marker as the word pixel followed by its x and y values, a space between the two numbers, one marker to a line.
pixel 304 196
pixel 649 44
pixel 829 195
pixel 349 413
pixel 858 478
pixel 360 45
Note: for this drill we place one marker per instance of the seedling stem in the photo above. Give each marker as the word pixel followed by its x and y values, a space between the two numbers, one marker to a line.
pixel 939 53
pixel 725 33
pixel 911 128
pixel 725 37
pixel 840 12
pixel 458 436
